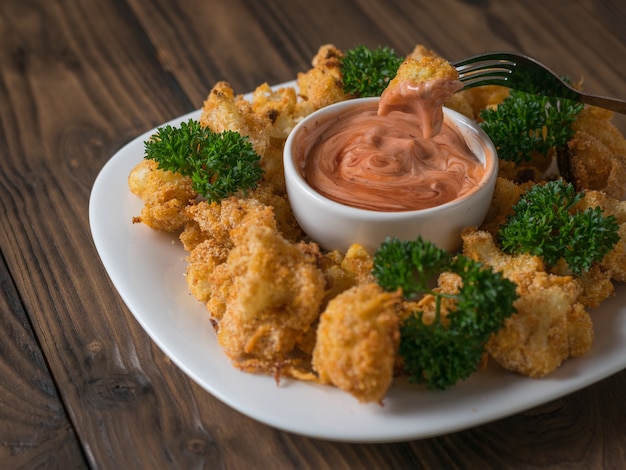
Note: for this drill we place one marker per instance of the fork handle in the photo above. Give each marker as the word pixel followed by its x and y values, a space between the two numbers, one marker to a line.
pixel 613 104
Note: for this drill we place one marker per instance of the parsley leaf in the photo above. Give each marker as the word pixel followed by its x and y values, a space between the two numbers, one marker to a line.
pixel 219 164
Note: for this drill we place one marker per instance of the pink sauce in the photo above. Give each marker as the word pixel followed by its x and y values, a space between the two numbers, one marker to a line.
pixel 400 155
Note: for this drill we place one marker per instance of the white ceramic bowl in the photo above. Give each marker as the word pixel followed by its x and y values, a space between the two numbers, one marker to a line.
pixel 336 226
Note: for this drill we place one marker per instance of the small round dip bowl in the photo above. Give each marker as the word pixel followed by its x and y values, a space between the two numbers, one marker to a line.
pixel 336 226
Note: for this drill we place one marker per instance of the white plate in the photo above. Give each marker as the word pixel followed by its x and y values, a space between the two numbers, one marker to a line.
pixel 147 269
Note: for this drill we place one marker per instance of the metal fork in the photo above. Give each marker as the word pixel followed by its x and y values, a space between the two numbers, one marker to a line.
pixel 523 73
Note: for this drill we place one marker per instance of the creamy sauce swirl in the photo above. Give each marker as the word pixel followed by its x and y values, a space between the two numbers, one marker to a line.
pixel 398 155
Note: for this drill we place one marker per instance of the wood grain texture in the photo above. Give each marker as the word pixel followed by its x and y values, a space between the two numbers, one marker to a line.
pixel 34 428
pixel 81 383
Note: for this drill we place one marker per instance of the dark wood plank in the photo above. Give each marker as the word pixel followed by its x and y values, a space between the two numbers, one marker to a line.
pixel 35 431
pixel 81 78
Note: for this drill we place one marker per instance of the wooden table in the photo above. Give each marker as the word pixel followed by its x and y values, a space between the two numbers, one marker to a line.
pixel 81 384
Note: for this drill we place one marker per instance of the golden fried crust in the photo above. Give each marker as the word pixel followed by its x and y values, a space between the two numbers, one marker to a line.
pixel 596 285
pixel 208 239
pixel 597 153
pixel 423 70
pixel 447 282
pixel 480 246
pixel 360 263
pixel 357 342
pixel 286 222
pixel 420 51
pixel 273 291
pixel 506 194
pixel 615 261
pixel 278 106
pixel 549 327
pixel 215 221
pixel 223 111
pixel 610 205
pixel 166 195
pixel 323 83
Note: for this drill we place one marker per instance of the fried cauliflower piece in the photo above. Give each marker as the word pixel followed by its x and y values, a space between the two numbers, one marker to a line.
pixel 549 327
pixel 505 195
pixel 357 342
pixel 279 106
pixel 344 271
pixel 550 324
pixel 360 263
pixel 323 83
pixel 615 261
pixel 597 154
pixel 432 81
pixel 272 292
pixel 224 111
pixel 286 221
pixel 597 283
pixel 207 239
pixel 480 246
pixel 424 69
pixel 165 194
pixel 467 102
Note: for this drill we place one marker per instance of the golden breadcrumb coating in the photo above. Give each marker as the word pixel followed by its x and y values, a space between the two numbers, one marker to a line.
pixel 272 294
pixel 467 102
pixel 424 69
pixel 597 153
pixel 278 105
pixel 223 111
pixel 359 262
pixel 323 83
pixel 165 195
pixel 207 238
pixel 549 327
pixel 357 342
pixel 505 195
pixel 550 324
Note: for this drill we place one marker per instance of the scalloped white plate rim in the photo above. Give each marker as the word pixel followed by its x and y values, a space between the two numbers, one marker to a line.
pixel 147 268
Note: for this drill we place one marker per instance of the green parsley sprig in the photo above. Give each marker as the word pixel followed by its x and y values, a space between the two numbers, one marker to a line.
pixel 367 72
pixel 525 123
pixel 219 164
pixel 441 353
pixel 546 224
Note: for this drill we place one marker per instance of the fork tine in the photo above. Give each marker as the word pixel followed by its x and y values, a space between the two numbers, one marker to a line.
pixel 486 80
pixel 484 74
pixel 520 72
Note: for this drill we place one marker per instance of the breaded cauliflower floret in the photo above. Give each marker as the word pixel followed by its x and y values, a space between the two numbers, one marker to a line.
pixel 357 342
pixel 165 194
pixel 207 238
pixel 323 83
pixel 550 325
pixel 279 106
pixel 424 69
pixel 597 153
pixel 506 194
pixel 272 292
pixel 421 87
pixel 223 111
pixel 467 102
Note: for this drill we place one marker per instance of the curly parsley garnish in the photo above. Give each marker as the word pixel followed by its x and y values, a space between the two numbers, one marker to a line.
pixel 450 348
pixel 526 123
pixel 367 72
pixel 546 224
pixel 219 164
